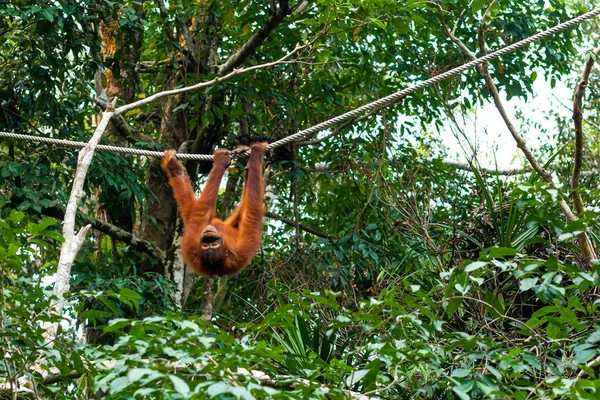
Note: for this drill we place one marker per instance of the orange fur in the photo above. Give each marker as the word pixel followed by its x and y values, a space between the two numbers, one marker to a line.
pixel 241 232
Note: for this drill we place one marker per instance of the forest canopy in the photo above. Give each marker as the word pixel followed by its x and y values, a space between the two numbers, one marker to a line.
pixel 442 245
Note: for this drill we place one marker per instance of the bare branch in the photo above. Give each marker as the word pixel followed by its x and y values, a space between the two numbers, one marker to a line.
pixel 111 230
pixel 585 244
pixel 121 125
pixel 235 72
pixel 587 121
pixel 483 69
pixel 578 122
pixel 152 66
pixel 487 170
pixel 51 379
pixel 492 5
pixel 303 227
pixel 584 241
pixel 465 50
pixel 73 241
pixel 300 7
pixel 257 39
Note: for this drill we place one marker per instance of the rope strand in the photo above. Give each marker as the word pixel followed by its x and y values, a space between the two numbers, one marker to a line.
pixel 385 101
pixel 116 149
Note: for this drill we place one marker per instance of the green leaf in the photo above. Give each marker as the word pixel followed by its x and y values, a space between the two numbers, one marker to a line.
pixel 46 222
pixel 494 372
pixel 370 379
pixel 498 252
pixel 144 392
pixel 594 337
pixel 53 235
pixel 216 389
pixel 119 384
pixel 130 294
pixel 546 310
pixel 533 76
pixel 48 14
pixel 218 112
pixel 462 289
pixel 497 304
pixel 380 23
pixel 94 315
pixel 461 372
pixel 462 395
pixel 136 374
pixel 77 363
pixel 453 306
pixel 110 305
pixel 116 324
pixel 356 376
pixel 180 385
pixel 527 283
pixel 556 332
pixel 477 5
pixel 475 265
pixel 583 354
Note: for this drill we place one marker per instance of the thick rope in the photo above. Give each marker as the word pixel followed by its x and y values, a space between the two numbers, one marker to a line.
pixel 385 101
pixel 398 95
pixel 116 149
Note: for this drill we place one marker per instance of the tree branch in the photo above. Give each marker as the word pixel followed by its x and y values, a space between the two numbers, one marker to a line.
pixel 257 39
pixel 303 227
pixel 578 122
pixel 484 70
pixel 587 249
pixel 120 124
pixel 300 7
pixel 136 104
pixel 584 242
pixel 111 230
pixel 73 241
pixel 185 31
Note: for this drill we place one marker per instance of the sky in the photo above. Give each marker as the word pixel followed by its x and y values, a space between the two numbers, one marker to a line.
pixel 493 139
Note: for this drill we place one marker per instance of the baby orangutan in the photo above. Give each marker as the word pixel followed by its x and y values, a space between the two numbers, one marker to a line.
pixel 209 245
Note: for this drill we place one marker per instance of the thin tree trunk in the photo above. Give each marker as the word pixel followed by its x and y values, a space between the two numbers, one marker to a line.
pixel 73 241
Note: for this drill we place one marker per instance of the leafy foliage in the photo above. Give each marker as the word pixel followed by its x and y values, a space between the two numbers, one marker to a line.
pixel 405 277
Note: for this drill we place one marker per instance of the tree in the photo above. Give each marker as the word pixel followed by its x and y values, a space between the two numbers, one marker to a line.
pixel 453 264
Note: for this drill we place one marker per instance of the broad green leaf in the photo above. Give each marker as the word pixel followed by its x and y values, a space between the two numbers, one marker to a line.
pixel 119 384
pixel 180 385
pixel 461 372
pixel 477 5
pixel 461 395
pixel 527 283
pixel 475 265
pixel 453 305
pixel 356 376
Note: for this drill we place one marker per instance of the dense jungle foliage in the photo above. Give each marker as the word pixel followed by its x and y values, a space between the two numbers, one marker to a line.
pixel 385 270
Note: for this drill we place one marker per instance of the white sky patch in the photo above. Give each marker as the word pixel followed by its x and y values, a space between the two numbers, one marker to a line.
pixel 488 132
